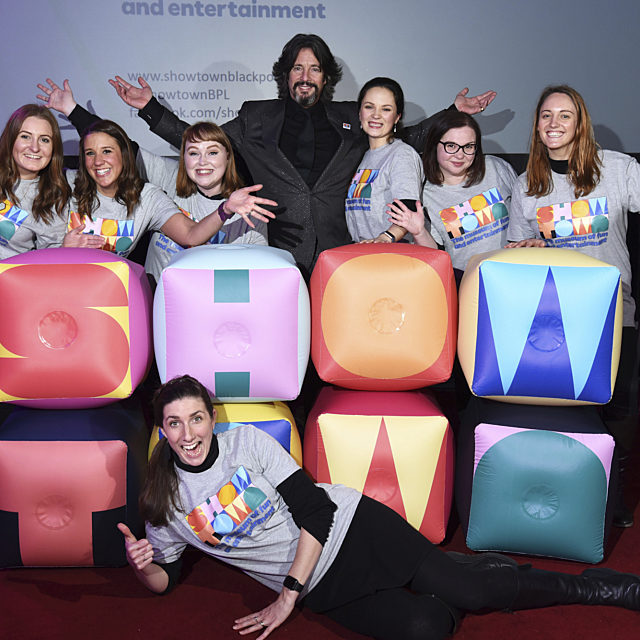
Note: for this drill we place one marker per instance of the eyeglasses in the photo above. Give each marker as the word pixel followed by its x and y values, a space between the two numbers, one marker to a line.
pixel 451 147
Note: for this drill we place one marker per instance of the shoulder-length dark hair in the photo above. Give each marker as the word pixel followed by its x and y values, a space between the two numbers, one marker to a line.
pixel 207 132
pixel 396 90
pixel 160 492
pixel 584 161
pixel 53 190
pixel 130 183
pixel 331 69
pixel 443 122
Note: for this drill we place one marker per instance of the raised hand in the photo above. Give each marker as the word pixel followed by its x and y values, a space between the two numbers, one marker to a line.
pixel 473 104
pixel 400 214
pixel 136 97
pixel 139 552
pixel 245 204
pixel 75 238
pixel 412 221
pixel 55 98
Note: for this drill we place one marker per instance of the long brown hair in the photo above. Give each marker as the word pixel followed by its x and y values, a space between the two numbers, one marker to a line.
pixel 584 161
pixel 129 181
pixel 207 132
pixel 160 495
pixel 442 123
pixel 53 190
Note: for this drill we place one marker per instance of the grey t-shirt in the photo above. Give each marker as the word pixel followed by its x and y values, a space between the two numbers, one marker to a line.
pixel 233 512
pixel 19 230
pixel 471 220
pixel 388 172
pixel 163 173
pixel 595 224
pixel 120 231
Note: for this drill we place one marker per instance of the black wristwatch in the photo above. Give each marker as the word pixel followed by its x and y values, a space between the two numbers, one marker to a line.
pixel 291 583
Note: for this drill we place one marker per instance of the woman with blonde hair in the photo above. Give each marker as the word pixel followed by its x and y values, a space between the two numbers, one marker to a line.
pixel 575 195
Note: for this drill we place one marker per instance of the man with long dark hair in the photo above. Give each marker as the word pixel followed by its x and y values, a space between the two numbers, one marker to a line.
pixel 303 147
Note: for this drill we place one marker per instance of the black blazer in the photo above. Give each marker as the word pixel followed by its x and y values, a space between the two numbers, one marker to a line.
pixel 308 219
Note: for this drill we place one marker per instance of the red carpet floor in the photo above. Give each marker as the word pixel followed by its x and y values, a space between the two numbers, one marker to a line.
pixel 110 603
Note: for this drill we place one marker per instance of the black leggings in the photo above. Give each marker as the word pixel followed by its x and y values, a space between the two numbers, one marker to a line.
pixel 439 588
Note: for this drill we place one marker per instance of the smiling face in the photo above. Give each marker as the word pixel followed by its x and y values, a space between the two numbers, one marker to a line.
pixel 206 163
pixel 306 79
pixel 454 166
pixel 557 123
pixel 188 428
pixel 33 147
pixel 103 161
pixel 378 115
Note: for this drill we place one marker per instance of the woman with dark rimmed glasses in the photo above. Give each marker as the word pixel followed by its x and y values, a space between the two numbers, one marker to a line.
pixel 466 194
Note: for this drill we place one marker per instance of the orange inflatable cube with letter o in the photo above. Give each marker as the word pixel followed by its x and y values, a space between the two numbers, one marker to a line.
pixel 384 317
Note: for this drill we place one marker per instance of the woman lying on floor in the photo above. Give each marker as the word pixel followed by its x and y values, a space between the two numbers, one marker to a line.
pixel 344 554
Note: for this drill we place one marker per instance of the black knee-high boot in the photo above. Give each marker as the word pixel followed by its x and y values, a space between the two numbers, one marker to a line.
pixel 537 588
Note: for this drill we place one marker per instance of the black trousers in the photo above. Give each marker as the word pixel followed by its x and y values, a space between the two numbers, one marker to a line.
pixel 389 582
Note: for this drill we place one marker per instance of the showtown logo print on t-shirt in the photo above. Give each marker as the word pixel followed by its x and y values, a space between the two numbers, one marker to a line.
pixel 11 219
pixel 480 217
pixel 228 511
pixel 575 224
pixel 118 234
pixel 359 193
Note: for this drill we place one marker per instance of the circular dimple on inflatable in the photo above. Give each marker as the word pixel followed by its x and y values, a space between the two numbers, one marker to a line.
pixel 54 512
pixel 540 502
pixel 232 340
pixel 57 330
pixel 547 333
pixel 386 315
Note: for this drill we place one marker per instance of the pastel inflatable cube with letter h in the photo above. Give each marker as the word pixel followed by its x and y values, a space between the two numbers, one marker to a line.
pixel 395 447
pixel 540 326
pixel 384 317
pixel 236 317
pixel 75 328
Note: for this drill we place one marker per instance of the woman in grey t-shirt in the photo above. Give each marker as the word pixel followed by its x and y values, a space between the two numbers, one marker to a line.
pixel 389 170
pixel 466 194
pixel 110 199
pixel 33 189
pixel 239 497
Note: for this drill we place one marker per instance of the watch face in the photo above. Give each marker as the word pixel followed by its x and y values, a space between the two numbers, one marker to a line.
pixel 291 583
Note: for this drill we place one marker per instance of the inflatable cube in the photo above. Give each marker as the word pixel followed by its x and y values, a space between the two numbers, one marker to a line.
pixel 384 316
pixel 394 447
pixel 273 418
pixel 68 478
pixel 536 491
pixel 236 317
pixel 75 328
pixel 540 326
